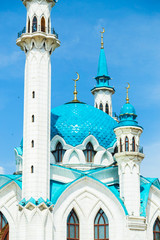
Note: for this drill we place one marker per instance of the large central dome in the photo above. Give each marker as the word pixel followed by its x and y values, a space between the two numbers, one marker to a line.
pixel 76 121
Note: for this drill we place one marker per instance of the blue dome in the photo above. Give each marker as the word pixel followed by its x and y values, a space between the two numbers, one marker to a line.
pixel 76 121
pixel 127 109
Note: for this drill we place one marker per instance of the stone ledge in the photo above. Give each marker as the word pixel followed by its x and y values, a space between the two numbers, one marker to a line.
pixel 136 223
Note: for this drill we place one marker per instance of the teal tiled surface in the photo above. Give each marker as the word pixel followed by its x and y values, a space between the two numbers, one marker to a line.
pixel 76 121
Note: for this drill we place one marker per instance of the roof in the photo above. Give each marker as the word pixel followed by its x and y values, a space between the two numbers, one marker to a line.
pixel 102 65
pixel 76 121
pixel 57 188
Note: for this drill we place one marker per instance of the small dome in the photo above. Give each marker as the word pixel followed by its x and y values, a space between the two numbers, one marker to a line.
pixel 76 121
pixel 127 109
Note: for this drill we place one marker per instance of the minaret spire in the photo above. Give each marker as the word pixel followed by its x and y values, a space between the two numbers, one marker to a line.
pixel 103 91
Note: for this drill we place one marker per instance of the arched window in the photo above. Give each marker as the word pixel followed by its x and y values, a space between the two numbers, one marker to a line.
pixel 156 230
pixel 33 94
pixel 133 144
pixel 126 144
pixel 120 145
pixel 89 152
pixel 101 226
pixel 101 106
pixel 107 108
pixel 4 228
pixel 96 105
pixel 33 119
pixel 32 169
pixel 29 25
pixel 72 226
pixel 43 25
pixel 34 24
pixel 32 144
pixel 59 152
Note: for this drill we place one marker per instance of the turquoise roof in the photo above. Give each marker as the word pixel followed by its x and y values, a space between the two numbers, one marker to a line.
pixel 127 108
pixel 102 74
pixel 76 121
pixel 128 116
pixel 57 188
pixel 102 65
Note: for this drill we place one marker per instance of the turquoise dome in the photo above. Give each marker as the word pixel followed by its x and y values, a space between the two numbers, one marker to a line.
pixel 127 116
pixel 76 121
pixel 127 108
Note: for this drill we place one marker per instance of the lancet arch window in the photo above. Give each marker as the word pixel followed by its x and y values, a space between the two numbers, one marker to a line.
pixel 4 227
pixel 89 152
pixel 133 144
pixel 59 152
pixel 43 24
pixel 29 25
pixel 34 24
pixel 101 226
pixel 107 108
pixel 156 230
pixel 126 144
pixel 120 142
pixel 101 106
pixel 72 226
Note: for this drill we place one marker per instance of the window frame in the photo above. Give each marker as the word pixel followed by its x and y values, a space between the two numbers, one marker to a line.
pixel 126 144
pixel 73 215
pixel 157 222
pixel 97 225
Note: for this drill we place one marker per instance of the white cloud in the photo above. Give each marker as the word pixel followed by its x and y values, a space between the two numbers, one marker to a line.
pixel 1 170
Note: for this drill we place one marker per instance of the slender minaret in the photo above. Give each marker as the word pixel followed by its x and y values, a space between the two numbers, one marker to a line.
pixel 103 91
pixel 129 157
pixel 38 40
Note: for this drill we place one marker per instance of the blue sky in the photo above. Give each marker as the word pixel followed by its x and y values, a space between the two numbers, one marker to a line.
pixel 132 49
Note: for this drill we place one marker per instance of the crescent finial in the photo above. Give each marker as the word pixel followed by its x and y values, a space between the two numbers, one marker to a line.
pixel 102 43
pixel 127 98
pixel 75 88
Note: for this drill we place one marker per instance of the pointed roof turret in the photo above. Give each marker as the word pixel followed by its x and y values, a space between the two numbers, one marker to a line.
pixel 102 65
pixel 102 77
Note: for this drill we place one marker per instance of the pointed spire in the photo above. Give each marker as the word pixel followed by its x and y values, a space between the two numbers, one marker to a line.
pixel 102 74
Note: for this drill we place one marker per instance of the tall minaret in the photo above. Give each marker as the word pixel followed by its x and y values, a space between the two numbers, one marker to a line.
pixel 129 157
pixel 103 91
pixel 38 40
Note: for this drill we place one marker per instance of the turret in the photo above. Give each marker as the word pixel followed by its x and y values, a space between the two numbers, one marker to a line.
pixel 38 40
pixel 103 91
pixel 129 157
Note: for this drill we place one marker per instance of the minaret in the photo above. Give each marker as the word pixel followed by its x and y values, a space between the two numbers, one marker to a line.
pixel 129 157
pixel 38 40
pixel 103 91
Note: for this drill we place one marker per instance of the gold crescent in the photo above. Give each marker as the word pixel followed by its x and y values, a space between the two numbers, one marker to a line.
pixel 77 78
pixel 128 86
pixel 103 31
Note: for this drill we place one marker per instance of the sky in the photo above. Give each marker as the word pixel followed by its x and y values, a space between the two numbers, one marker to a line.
pixel 132 47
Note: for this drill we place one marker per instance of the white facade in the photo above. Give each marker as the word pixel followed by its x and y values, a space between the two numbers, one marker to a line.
pixel 89 176
pixel 103 95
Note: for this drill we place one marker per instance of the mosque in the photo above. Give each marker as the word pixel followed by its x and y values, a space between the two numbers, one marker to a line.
pixel 78 167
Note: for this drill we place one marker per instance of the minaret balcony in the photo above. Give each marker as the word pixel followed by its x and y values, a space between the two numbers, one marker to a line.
pixel 39 29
